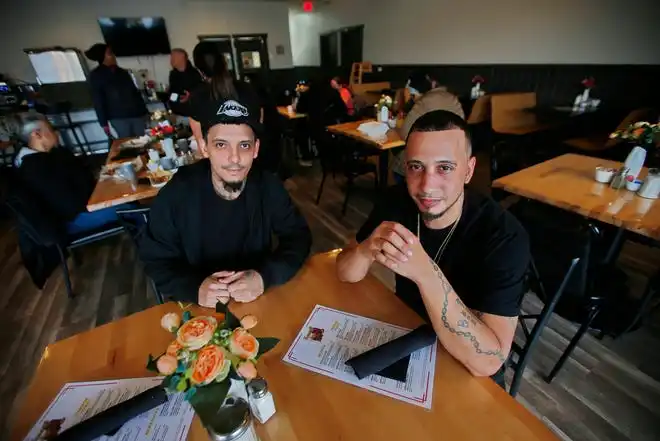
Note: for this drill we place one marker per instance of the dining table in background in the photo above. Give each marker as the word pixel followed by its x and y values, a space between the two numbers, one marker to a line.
pixel 568 182
pixel 391 140
pixel 309 406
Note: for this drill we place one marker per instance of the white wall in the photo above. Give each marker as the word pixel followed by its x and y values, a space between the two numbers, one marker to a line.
pixel 73 23
pixel 486 31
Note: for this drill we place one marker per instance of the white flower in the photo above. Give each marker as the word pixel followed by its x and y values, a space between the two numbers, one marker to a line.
pixel 170 321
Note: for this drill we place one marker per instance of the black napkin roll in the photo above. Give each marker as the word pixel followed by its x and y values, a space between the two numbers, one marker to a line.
pixel 111 419
pixel 379 358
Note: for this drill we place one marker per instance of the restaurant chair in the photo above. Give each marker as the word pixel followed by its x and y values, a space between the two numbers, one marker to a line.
pixel 38 226
pixel 134 220
pixel 601 142
pixel 341 156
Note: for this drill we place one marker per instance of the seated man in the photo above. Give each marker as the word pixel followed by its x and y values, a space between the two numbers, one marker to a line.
pixel 460 259
pixel 61 181
pixel 210 234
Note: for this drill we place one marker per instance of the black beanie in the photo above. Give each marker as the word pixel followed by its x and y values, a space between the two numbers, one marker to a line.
pixel 96 52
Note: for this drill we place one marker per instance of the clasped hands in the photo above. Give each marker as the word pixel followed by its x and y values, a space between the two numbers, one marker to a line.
pixel 242 286
pixel 397 248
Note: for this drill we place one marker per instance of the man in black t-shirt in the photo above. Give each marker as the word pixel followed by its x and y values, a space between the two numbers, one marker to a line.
pixel 210 234
pixel 460 260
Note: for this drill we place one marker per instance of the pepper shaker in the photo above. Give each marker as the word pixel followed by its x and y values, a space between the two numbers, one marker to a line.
pixel 261 400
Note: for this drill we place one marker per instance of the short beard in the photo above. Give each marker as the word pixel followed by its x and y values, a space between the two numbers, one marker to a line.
pixel 229 190
pixel 233 187
pixel 430 217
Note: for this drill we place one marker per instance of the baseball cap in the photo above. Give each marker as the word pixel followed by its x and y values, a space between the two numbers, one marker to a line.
pixel 435 99
pixel 243 109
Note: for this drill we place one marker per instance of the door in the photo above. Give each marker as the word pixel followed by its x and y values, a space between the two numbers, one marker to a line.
pixel 330 50
pixel 351 46
pixel 251 55
pixel 224 45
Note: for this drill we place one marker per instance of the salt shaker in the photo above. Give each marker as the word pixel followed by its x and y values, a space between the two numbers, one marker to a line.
pixel 261 400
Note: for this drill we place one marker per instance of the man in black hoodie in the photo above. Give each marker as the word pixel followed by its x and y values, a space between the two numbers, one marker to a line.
pixel 184 78
pixel 116 97
pixel 210 237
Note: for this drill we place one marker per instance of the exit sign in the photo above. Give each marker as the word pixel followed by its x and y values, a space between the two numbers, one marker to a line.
pixel 308 6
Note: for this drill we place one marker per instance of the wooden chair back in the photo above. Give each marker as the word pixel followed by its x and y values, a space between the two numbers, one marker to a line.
pixel 633 117
pixel 507 111
pixel 480 110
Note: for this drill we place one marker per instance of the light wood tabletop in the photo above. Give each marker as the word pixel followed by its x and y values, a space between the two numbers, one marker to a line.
pixel 309 406
pixel 568 182
pixel 112 192
pixel 282 110
pixel 390 141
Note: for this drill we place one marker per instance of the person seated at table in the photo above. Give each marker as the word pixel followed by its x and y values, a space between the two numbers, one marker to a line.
pixel 116 97
pixel 61 180
pixel 210 234
pixel 344 93
pixel 418 84
pixel 460 259
pixel 184 79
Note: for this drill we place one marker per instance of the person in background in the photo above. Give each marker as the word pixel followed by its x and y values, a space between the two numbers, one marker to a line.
pixel 345 94
pixel 117 99
pixel 61 181
pixel 211 231
pixel 184 79
pixel 218 84
pixel 417 85
pixel 460 260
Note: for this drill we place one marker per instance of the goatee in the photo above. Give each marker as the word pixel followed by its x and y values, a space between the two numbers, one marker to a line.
pixel 233 187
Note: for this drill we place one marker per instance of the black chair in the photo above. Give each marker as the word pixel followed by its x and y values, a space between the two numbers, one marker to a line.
pixel 341 156
pixel 38 225
pixel 134 220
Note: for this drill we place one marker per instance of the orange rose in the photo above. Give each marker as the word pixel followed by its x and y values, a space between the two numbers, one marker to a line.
pixel 196 332
pixel 638 132
pixel 166 364
pixel 210 363
pixel 173 348
pixel 243 344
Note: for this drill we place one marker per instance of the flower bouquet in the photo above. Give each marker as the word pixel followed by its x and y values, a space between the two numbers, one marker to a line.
pixel 159 133
pixel 642 133
pixel 589 83
pixel 476 91
pixel 205 355
pixel 478 79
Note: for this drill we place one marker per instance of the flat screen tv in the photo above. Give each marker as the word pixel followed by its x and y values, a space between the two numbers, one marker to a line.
pixel 135 36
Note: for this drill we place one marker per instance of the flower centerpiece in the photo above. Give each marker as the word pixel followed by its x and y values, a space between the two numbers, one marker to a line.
pixel 384 108
pixel 588 84
pixel 476 91
pixel 206 354
pixel 641 133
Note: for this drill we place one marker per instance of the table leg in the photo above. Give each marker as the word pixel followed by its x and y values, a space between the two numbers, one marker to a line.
pixel 383 168
pixel 615 247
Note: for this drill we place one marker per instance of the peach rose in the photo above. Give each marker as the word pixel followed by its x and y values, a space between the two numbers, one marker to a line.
pixel 173 348
pixel 170 321
pixel 247 370
pixel 196 332
pixel 166 364
pixel 210 363
pixel 243 344
pixel 249 322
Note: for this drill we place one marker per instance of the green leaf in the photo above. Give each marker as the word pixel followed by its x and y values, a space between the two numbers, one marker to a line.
pixel 266 344
pixel 207 400
pixel 231 321
pixel 186 316
pixel 181 385
pixel 180 367
pixel 151 363
pixel 190 393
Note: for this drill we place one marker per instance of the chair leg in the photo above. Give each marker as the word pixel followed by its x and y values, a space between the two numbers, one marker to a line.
pixel 571 346
pixel 318 197
pixel 65 270
pixel 349 187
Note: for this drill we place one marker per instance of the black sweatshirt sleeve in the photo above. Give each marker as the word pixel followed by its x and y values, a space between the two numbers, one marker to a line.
pixel 98 97
pixel 293 237
pixel 162 253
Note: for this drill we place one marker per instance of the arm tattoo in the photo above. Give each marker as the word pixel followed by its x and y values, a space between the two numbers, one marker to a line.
pixel 469 318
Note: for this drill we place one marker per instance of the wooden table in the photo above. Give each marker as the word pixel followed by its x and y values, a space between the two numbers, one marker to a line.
pixel 310 406
pixel 112 192
pixel 390 141
pixel 282 110
pixel 567 182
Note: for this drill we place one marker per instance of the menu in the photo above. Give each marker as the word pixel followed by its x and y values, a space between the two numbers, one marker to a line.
pixel 77 402
pixel 330 337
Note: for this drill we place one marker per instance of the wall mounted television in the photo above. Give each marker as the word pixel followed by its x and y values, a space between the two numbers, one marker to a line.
pixel 135 36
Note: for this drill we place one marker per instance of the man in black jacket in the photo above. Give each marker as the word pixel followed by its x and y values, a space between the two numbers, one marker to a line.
pixel 184 78
pixel 116 97
pixel 210 234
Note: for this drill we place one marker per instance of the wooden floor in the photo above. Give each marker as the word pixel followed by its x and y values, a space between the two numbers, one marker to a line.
pixel 609 390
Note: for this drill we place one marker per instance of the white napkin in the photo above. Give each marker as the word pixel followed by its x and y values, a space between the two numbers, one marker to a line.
pixel 374 129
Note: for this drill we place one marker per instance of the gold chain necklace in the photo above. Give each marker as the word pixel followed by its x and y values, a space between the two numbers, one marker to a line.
pixel 441 249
